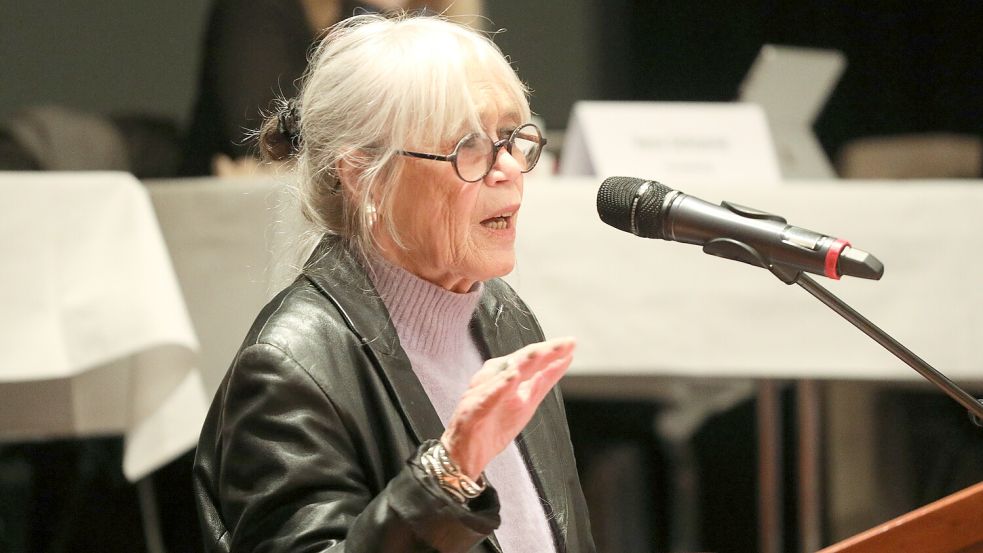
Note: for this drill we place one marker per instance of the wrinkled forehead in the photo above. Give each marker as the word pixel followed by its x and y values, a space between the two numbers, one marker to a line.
pixel 495 106
pixel 495 102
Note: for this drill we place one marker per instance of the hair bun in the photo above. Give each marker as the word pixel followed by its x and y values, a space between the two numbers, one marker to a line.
pixel 289 123
pixel 280 136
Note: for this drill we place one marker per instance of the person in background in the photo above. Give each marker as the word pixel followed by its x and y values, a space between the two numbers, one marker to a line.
pixel 256 51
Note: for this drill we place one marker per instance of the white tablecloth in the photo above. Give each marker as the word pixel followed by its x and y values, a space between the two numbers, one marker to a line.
pixel 644 308
pixel 96 338
pixel 228 240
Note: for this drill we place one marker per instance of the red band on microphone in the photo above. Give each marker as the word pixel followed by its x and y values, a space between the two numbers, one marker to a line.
pixel 833 255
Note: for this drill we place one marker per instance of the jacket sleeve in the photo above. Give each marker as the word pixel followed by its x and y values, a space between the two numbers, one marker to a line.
pixel 290 480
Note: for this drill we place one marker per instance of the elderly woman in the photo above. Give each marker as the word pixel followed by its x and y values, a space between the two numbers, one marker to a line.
pixel 398 396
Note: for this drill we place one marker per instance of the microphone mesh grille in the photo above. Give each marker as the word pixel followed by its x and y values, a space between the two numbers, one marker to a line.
pixel 616 200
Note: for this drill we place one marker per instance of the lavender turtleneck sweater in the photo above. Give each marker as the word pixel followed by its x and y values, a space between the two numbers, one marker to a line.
pixel 433 328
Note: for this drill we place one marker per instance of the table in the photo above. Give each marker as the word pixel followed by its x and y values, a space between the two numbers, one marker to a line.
pixel 671 301
pixel 229 242
pixel 96 337
pixel 646 312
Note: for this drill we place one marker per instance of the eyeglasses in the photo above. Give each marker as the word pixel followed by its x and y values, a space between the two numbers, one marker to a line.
pixel 474 156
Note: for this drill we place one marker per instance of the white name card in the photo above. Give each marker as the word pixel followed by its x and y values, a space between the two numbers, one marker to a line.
pixel 792 85
pixel 672 142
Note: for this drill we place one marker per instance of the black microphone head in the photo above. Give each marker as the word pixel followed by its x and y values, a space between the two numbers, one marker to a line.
pixel 633 205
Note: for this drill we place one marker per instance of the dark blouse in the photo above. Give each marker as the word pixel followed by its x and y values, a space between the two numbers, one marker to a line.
pixel 255 51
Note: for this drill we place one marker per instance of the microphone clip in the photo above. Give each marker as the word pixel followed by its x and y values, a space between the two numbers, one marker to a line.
pixel 736 250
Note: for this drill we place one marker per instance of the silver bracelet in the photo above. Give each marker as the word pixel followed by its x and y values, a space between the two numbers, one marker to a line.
pixel 439 466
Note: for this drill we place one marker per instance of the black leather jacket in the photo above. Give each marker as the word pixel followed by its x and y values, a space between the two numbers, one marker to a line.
pixel 312 439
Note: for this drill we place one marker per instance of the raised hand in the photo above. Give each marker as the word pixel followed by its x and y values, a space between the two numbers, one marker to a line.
pixel 500 400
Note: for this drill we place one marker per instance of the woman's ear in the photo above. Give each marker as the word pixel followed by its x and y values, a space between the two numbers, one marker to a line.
pixel 350 169
pixel 348 176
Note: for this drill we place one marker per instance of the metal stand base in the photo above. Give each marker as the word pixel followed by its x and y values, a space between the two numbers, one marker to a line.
pixel 150 515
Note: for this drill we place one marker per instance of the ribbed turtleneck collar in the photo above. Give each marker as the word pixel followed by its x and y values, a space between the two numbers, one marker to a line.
pixel 428 318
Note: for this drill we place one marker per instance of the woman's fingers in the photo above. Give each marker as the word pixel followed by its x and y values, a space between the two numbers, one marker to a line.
pixel 490 370
pixel 502 398
pixel 548 377
pixel 525 364
pixel 543 355
pixel 494 367
pixel 503 383
pixel 538 385
pixel 546 346
pixel 504 375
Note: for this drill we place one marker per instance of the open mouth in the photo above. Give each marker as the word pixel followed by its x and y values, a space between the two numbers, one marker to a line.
pixel 501 222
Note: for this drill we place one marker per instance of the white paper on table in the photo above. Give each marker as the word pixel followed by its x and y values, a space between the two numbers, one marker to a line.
pixel 792 85
pixel 671 142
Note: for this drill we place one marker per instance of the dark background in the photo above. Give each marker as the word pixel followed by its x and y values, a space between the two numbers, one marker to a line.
pixel 912 66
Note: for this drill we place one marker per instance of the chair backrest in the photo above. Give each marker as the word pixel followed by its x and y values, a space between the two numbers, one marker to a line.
pixel 913 156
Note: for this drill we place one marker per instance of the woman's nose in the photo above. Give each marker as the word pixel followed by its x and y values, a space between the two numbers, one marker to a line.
pixel 506 166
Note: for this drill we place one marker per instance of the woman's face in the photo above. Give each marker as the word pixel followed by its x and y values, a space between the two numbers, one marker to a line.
pixel 457 233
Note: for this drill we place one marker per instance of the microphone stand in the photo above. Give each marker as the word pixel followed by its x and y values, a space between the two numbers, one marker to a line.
pixel 973 405
pixel 810 521
pixel 739 251
pixel 809 518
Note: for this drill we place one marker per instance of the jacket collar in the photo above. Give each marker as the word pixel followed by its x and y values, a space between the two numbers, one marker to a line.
pixel 338 274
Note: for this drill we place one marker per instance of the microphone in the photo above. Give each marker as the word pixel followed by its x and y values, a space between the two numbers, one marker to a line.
pixel 652 210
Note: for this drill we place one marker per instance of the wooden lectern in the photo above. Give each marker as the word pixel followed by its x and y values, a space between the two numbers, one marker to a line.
pixel 953 524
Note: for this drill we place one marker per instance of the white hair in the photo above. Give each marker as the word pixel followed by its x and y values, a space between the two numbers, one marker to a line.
pixel 377 85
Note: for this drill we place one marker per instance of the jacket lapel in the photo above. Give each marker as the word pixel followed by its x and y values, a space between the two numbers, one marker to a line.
pixel 336 273
pixel 501 329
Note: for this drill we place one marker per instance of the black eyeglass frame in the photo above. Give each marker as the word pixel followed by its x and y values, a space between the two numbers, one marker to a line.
pixel 496 146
